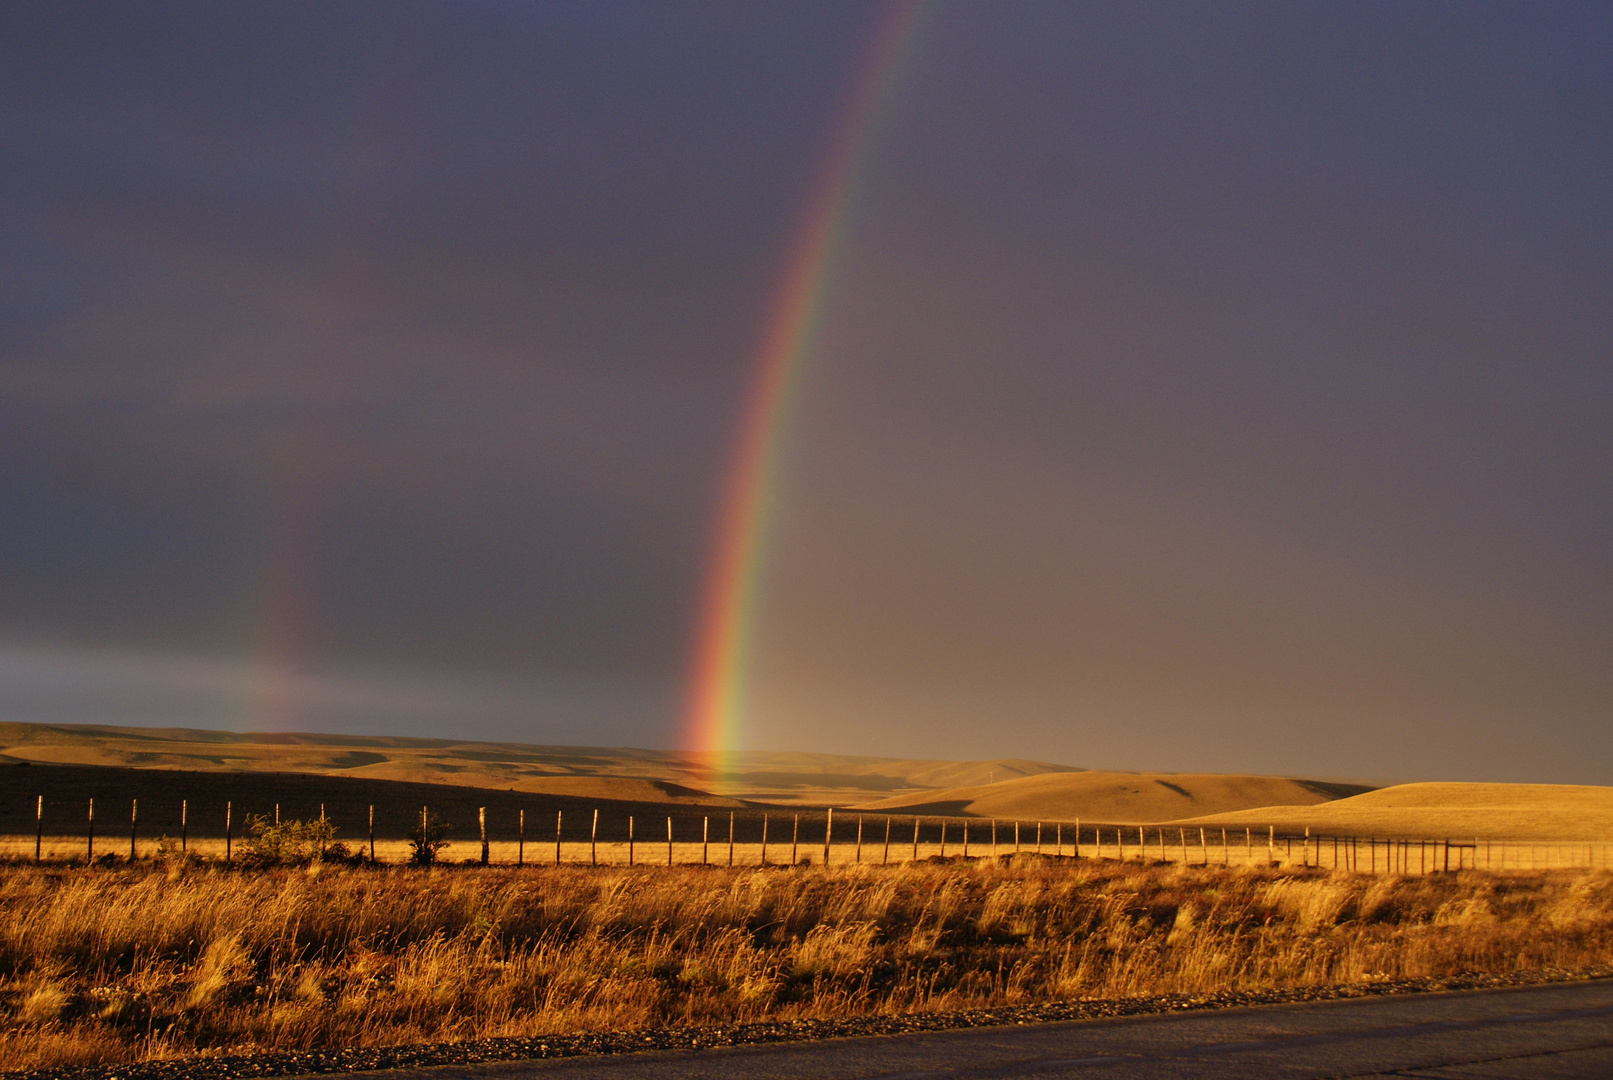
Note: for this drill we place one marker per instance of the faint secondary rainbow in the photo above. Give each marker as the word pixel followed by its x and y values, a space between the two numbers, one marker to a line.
pixel 729 601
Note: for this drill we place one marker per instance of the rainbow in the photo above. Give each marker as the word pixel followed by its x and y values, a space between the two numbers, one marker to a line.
pixel 727 611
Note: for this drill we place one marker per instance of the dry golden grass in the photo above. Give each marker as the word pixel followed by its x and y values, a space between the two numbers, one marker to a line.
pixel 1115 797
pixel 590 772
pixel 1519 812
pixel 152 961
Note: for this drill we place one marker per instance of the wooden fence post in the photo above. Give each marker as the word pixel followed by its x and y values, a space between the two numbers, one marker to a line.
pixel 558 818
pixel 593 840
pixel 1271 844
pixel 1016 838
pixel 1077 838
pixel 481 826
pixel 372 834
pixel 795 839
pixel 1039 838
pixel 1120 844
pixel 915 839
pixel 886 858
pixel 184 826
pixel 859 839
pixel 134 812
pixel 993 838
pixel 629 839
pixel 669 840
pixel 764 839
pixel 1203 847
pixel 828 830
pixel 1181 838
pixel 1447 855
pixel 730 838
pixel 1226 851
pixel 229 809
pixel 705 838
pixel 39 827
pixel 943 838
pixel 520 837
pixel 965 838
pixel 89 837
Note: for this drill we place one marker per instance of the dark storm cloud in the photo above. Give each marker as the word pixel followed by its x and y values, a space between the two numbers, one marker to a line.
pixel 1266 407
pixel 462 298
pixel 1200 387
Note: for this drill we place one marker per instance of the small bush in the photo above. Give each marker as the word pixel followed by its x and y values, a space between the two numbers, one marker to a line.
pixel 170 854
pixel 290 843
pixel 427 839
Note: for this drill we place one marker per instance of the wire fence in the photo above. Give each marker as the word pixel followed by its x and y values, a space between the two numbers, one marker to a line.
pixel 773 837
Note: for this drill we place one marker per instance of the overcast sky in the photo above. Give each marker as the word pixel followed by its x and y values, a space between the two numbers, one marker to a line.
pixel 1209 387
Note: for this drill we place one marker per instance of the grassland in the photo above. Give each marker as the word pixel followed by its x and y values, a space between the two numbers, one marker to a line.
pixel 592 772
pixel 1536 812
pixel 996 788
pixel 170 958
pixel 1120 797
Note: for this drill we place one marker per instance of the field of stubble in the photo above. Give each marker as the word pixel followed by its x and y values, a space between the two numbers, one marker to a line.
pixel 146 961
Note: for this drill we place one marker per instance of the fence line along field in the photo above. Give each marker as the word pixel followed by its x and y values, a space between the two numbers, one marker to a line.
pixel 620 837
pixel 171 957
pixel 78 820
pixel 215 913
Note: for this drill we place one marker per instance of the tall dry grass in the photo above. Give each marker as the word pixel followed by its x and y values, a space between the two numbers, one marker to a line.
pixel 117 964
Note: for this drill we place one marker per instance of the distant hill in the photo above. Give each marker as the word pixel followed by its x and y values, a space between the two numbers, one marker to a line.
pixel 584 771
pixel 1547 812
pixel 1116 796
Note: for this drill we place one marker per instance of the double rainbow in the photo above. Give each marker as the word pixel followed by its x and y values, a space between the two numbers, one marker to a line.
pixel 728 610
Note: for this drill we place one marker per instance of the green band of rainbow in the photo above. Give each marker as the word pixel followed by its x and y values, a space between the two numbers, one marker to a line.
pixel 728 611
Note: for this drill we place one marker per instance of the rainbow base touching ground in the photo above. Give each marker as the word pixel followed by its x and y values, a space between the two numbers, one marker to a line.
pixel 728 611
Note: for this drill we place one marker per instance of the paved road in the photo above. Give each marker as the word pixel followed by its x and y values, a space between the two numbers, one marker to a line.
pixel 1537 1033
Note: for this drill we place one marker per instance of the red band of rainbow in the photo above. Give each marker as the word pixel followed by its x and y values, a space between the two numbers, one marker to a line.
pixel 730 599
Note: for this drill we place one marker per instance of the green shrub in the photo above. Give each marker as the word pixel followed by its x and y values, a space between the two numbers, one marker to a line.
pixel 427 839
pixel 291 843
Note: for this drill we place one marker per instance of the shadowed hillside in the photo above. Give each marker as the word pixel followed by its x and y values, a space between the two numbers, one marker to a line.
pixel 565 771
pixel 1116 796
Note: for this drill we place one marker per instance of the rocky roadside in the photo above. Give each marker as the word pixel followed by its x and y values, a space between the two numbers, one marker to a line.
pixel 479 1051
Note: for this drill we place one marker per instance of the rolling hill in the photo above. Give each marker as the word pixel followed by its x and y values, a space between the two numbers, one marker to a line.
pixel 1547 812
pixel 1115 796
pixel 592 772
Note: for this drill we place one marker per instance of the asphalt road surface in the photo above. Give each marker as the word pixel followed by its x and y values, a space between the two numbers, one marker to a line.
pixel 1534 1033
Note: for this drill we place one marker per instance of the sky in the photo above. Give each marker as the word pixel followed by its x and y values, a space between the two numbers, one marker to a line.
pixel 1205 387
